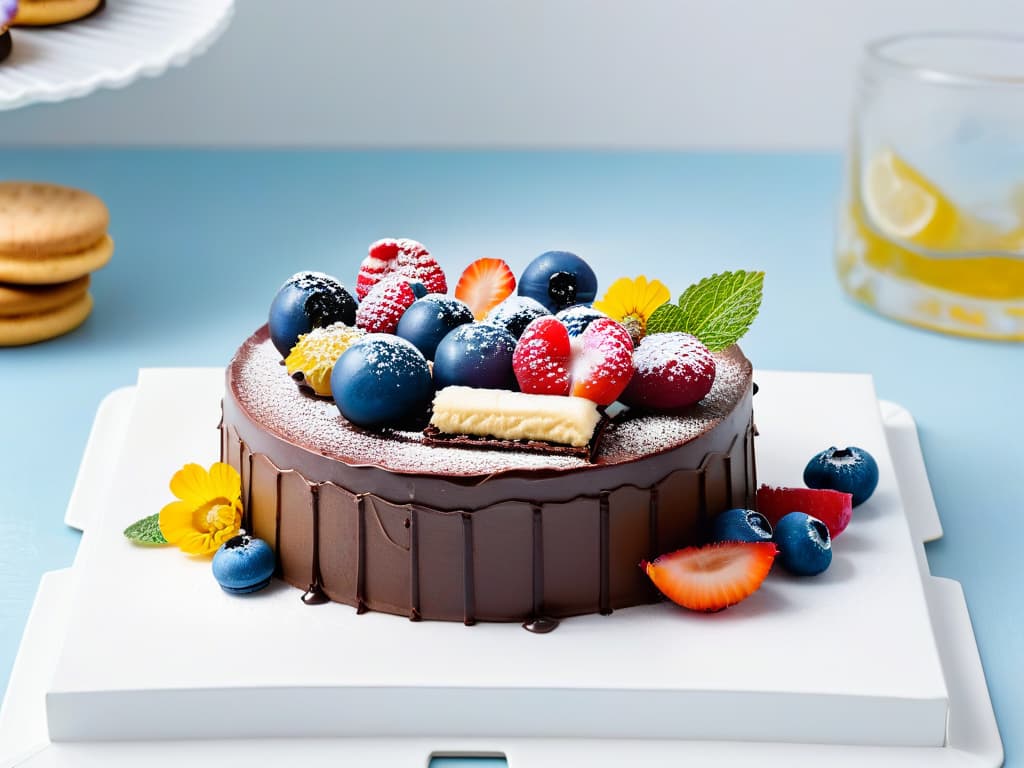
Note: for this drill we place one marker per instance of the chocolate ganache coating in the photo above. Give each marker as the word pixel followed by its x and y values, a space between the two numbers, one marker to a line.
pixel 384 521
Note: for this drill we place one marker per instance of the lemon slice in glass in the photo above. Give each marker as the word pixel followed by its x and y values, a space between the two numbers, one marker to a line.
pixel 905 205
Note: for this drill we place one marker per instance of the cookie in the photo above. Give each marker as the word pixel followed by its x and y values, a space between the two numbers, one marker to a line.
pixel 50 234
pixel 47 13
pixel 34 299
pixel 29 329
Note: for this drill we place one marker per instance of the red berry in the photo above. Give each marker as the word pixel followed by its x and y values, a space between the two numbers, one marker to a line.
pixel 484 285
pixel 415 262
pixel 385 304
pixel 833 508
pixel 714 576
pixel 673 370
pixel 596 364
pixel 541 358
pixel 380 262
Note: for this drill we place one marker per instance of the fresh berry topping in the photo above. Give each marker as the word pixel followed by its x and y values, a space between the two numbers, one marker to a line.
pixel 484 285
pixel 415 262
pixel 714 576
pixel 306 301
pixel 741 525
pixel 380 262
pixel 381 381
pixel 475 355
pixel 312 359
pixel 595 365
pixel 515 313
pixel 577 318
pixel 385 304
pixel 805 546
pixel 543 357
pixel 851 470
pixel 673 370
pixel 430 319
pixel 834 508
pixel 559 279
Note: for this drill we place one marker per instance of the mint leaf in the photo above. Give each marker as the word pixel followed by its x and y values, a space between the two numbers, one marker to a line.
pixel 146 531
pixel 718 310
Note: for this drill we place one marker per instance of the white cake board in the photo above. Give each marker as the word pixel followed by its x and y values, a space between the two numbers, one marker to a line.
pixel 971 737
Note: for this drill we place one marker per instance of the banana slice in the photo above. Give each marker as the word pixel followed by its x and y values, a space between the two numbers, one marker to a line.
pixel 508 415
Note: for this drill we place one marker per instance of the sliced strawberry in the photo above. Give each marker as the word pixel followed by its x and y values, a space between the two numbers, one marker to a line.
pixel 380 262
pixel 385 304
pixel 484 285
pixel 541 358
pixel 833 508
pixel 602 361
pixel 714 576
pixel 415 262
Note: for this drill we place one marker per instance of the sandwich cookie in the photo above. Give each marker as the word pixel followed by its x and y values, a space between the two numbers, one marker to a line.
pixel 50 234
pixel 29 329
pixel 48 13
pixel 16 300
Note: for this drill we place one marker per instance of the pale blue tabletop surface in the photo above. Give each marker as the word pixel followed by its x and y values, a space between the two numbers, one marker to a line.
pixel 205 238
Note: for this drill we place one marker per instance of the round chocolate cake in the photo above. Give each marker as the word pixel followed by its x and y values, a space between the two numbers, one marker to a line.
pixel 385 521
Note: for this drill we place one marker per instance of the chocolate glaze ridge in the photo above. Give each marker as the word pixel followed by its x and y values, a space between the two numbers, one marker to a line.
pixel 522 545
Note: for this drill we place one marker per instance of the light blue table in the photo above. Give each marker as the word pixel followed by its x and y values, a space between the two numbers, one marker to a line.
pixel 205 238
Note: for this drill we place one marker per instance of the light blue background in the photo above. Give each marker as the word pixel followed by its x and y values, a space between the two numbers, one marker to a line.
pixel 205 238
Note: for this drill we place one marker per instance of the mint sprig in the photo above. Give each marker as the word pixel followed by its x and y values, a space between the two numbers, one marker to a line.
pixel 146 531
pixel 718 310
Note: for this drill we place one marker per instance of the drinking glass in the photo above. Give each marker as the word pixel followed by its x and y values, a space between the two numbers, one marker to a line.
pixel 931 224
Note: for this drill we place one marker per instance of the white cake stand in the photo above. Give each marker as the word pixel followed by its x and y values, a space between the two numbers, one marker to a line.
pixel 970 738
pixel 129 39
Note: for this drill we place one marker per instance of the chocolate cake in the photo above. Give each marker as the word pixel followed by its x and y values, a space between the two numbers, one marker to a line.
pixel 389 521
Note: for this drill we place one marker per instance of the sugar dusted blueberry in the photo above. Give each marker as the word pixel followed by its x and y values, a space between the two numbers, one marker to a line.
pixel 475 355
pixel 805 547
pixel 850 470
pixel 243 564
pixel 741 525
pixel 515 313
pixel 306 301
pixel 558 279
pixel 673 370
pixel 381 381
pixel 430 319
pixel 576 319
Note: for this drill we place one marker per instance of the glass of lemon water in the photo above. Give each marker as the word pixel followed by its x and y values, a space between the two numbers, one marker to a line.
pixel 931 224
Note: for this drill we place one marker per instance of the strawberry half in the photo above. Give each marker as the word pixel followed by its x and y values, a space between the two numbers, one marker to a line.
pixel 596 365
pixel 833 508
pixel 484 285
pixel 714 576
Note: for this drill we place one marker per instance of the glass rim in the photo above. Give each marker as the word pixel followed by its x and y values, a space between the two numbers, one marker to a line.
pixel 877 53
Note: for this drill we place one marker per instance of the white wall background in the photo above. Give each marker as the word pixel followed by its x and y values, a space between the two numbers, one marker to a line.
pixel 592 73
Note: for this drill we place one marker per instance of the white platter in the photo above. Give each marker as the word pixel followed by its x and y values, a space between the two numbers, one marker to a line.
pixel 129 39
pixel 970 736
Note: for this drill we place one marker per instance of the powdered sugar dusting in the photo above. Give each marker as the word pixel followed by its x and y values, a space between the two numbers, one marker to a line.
pixel 263 389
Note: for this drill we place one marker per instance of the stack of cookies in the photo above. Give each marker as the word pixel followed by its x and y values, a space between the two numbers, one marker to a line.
pixel 51 239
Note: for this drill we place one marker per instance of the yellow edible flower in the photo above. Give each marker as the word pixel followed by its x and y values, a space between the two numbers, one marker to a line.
pixel 632 301
pixel 208 511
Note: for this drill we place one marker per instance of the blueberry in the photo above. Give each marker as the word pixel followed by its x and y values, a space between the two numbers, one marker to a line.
pixel 558 279
pixel 805 547
pixel 741 525
pixel 381 381
pixel 243 564
pixel 308 300
pixel 850 470
pixel 515 313
pixel 576 319
pixel 419 290
pixel 475 355
pixel 429 320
